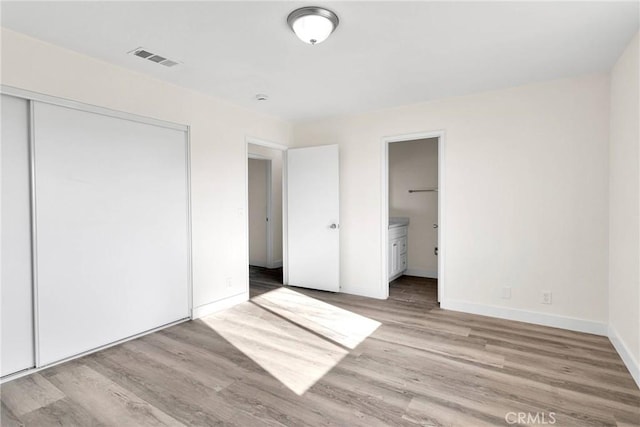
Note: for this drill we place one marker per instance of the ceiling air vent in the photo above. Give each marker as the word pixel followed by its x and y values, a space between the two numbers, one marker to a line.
pixel 150 56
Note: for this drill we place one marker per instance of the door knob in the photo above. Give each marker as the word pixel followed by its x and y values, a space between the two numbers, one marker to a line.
pixel 435 225
pixel 333 226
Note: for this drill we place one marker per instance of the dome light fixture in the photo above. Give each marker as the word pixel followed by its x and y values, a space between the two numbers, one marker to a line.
pixel 313 24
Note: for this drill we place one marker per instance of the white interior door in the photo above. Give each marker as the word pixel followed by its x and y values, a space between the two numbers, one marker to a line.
pixel 112 229
pixel 313 209
pixel 16 341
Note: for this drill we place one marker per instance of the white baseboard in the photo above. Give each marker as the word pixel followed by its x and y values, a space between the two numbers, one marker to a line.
pixel 362 292
pixel 627 357
pixel 275 264
pixel 394 277
pixel 421 273
pixel 216 306
pixel 537 318
pixel 257 264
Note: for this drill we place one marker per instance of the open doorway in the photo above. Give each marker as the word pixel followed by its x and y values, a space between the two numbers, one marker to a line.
pixel 264 208
pixel 259 190
pixel 413 207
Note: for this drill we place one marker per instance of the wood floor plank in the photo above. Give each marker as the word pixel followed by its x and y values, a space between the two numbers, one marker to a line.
pixel 62 412
pixel 184 399
pixel 180 364
pixel 107 401
pixel 497 391
pixel 570 372
pixel 29 393
pixel 298 357
pixel 291 353
pixel 266 399
pixel 8 418
pixel 330 322
pixel 473 350
pixel 426 412
pixel 502 325
pixel 381 404
pixel 604 356
pixel 607 375
pixel 540 392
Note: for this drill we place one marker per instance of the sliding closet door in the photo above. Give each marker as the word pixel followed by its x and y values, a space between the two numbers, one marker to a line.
pixel 112 229
pixel 16 340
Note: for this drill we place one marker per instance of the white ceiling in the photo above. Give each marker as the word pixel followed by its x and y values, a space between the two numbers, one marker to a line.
pixel 383 54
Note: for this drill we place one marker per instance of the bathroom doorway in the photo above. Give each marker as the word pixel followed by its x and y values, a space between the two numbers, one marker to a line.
pixel 413 209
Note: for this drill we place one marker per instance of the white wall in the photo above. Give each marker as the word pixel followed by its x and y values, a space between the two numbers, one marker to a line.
pixel 218 153
pixel 276 199
pixel 526 198
pixel 624 205
pixel 414 165
pixel 526 169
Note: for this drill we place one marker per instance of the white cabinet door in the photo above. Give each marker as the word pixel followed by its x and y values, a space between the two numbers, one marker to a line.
pixel 394 257
pixel 16 340
pixel 397 251
pixel 112 229
pixel 313 217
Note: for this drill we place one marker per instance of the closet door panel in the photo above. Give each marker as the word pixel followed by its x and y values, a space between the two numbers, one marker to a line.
pixel 112 229
pixel 16 341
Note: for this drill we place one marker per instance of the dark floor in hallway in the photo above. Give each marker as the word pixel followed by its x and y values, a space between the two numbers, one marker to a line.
pixel 263 280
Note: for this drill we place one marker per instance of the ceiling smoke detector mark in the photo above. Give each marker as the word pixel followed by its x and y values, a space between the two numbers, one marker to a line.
pixel 262 97
pixel 150 56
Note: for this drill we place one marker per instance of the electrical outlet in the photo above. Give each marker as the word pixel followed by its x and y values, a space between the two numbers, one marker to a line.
pixel 546 297
pixel 506 292
pixel 228 280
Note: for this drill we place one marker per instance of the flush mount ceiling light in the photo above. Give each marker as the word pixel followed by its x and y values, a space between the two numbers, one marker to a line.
pixel 312 24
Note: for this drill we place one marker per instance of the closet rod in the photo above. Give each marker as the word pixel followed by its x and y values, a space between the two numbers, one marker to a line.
pixel 421 191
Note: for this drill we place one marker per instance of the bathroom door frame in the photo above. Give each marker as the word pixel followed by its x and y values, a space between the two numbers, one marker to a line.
pixel 384 229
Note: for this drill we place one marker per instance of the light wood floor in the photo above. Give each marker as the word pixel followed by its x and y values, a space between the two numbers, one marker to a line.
pixel 296 357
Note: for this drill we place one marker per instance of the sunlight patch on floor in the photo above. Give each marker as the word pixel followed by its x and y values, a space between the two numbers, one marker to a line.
pixel 295 338
pixel 341 326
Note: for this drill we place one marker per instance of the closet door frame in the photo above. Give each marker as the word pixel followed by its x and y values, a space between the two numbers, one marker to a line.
pixel 30 97
pixel 14 286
